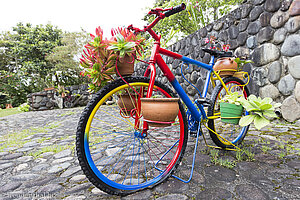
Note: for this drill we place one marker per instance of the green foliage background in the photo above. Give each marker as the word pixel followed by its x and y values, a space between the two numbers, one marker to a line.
pixel 35 57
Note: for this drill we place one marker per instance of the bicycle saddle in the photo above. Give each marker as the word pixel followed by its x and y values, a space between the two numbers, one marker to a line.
pixel 218 54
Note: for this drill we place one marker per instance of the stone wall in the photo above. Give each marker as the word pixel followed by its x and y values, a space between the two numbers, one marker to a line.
pixel 50 99
pixel 266 31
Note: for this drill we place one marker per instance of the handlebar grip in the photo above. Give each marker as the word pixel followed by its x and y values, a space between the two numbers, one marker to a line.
pixel 175 10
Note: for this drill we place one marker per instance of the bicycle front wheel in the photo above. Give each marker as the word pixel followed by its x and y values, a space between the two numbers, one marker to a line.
pixel 227 134
pixel 114 152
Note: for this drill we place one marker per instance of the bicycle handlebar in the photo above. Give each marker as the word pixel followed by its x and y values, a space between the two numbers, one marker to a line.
pixel 160 15
pixel 175 10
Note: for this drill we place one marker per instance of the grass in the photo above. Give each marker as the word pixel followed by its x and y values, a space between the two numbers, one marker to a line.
pixel 52 148
pixel 7 112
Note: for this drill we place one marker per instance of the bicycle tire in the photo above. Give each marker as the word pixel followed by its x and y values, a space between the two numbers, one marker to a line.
pixel 162 139
pixel 235 134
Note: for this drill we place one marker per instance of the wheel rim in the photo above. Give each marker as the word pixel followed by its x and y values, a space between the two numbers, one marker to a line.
pixel 231 133
pixel 119 154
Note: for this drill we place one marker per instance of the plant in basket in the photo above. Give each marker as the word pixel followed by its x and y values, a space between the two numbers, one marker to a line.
pixel 101 55
pixel 231 108
pixel 98 62
pixel 127 46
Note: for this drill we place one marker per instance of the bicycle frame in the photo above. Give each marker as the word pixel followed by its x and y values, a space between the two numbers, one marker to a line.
pixel 156 58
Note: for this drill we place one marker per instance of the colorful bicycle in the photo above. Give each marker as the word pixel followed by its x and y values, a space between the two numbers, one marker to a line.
pixel 117 149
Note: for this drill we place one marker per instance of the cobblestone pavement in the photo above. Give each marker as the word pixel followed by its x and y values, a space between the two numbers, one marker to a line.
pixel 37 161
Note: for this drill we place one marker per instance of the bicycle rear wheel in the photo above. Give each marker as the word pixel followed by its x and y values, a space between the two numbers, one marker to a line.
pixel 229 133
pixel 112 151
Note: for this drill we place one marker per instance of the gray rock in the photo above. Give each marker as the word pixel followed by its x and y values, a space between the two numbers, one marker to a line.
pixel 275 71
pixel 279 36
pixel 59 168
pixel 233 32
pixel 259 76
pixel 218 26
pixel 265 54
pixel 252 42
pixel 195 41
pixel 286 85
pixel 209 27
pixel 12 156
pixel 62 154
pixel 288 47
pixel 297 91
pixel 295 8
pixel 294 67
pixel 258 2
pixel 79 188
pixel 285 5
pixel 290 109
pixel 242 52
pixel 40 167
pixel 265 19
pixel 173 197
pixel 269 91
pixel 50 188
pixel 203 32
pixel 142 195
pixel 237 13
pixel 255 12
pixel 25 177
pixel 243 24
pixel 272 5
pixel 245 10
pixel 214 194
pixel 233 44
pixel 254 27
pixel 293 24
pixel 6 165
pixel 9 186
pixel 279 19
pixel 248 191
pixel 241 39
pixel 25 159
pixel 223 36
pixel 265 34
pixel 70 171
pixel 177 47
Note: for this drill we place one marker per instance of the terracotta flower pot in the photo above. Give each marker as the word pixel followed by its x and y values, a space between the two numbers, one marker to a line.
pixel 127 102
pixel 159 112
pixel 226 66
pixel 126 66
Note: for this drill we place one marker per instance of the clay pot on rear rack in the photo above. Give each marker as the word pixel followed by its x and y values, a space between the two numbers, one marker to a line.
pixel 159 112
pixel 225 66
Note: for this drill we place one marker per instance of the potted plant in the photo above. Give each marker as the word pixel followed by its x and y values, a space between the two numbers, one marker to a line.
pixel 158 111
pixel 240 64
pixel 101 55
pixel 231 108
pixel 126 45
pixel 259 109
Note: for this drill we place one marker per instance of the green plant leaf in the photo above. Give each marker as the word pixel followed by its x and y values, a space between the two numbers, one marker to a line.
pixel 120 38
pixel 260 122
pixel 246 120
pixel 265 106
pixel 269 113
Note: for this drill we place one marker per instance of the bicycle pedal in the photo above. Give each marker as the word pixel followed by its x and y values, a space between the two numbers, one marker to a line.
pixel 204 101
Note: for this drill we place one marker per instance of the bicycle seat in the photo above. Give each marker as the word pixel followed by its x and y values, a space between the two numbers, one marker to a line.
pixel 218 54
